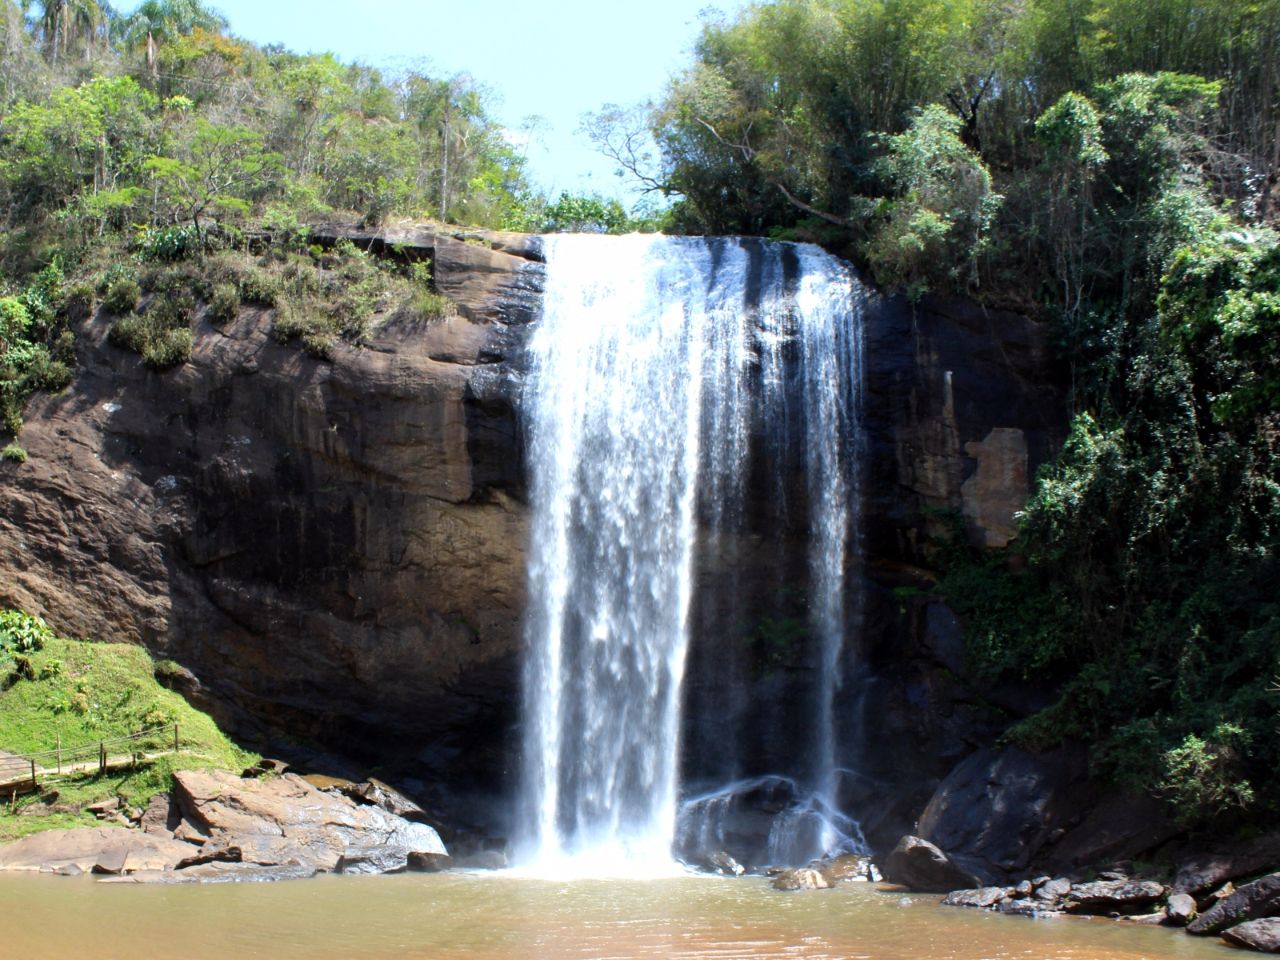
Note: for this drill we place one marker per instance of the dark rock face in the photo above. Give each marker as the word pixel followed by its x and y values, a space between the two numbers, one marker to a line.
pixel 1253 901
pixel 921 866
pixel 336 551
pixel 996 811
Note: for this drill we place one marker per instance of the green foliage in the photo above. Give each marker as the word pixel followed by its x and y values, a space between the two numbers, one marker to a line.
pixel 1203 777
pixel 585 214
pixel 77 692
pixel 224 304
pixel 22 633
pixel 167 244
pixel 122 296
pixel 162 335
pixel 259 287
pixel 13 454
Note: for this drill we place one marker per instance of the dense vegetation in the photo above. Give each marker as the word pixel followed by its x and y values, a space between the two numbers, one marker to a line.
pixel 133 146
pixel 1110 167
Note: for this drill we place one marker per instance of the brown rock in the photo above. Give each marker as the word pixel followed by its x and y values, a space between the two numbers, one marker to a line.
pixel 1180 910
pixel 851 866
pixel 429 862
pixel 803 878
pixel 919 865
pixel 286 820
pixel 98 849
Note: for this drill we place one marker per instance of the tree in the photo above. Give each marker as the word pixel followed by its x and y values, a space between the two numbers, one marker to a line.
pixel 157 22
pixel 217 170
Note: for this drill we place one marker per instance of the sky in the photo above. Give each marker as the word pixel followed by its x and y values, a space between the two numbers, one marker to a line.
pixel 554 59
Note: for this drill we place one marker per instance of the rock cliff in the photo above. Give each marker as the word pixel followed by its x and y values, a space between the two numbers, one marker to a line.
pixel 335 551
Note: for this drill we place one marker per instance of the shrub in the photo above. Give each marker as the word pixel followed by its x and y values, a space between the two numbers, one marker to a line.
pixel 428 305
pixel 224 304
pixel 167 244
pixel 168 348
pixel 14 320
pixel 122 296
pixel 64 348
pixel 14 454
pixel 260 287
pixel 78 301
pixel 22 633
pixel 289 323
pixel 129 333
pixel 320 344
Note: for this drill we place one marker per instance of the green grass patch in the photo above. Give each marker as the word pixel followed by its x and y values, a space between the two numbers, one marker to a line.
pixel 76 692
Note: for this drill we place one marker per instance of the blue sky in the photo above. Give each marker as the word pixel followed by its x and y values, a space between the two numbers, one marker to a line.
pixel 556 59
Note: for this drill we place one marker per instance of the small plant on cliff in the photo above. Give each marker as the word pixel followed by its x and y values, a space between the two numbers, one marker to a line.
pixel 1203 777
pixel 14 454
pixel 122 296
pixel 224 304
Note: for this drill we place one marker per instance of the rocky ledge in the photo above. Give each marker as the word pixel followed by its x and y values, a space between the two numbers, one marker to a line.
pixel 216 826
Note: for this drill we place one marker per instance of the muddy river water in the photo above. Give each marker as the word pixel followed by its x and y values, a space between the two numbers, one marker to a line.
pixel 485 917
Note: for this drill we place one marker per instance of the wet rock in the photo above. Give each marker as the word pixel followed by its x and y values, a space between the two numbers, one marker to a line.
pixel 419 862
pixel 265 766
pixel 222 873
pixel 161 817
pixel 1023 908
pixel 920 865
pixel 1252 901
pixel 286 820
pixel 1159 918
pixel 1024 889
pixel 371 860
pixel 982 897
pixel 851 866
pixel 100 849
pixel 388 798
pixel 801 878
pixel 1112 896
pixel 1261 935
pixel 1180 910
pixel 721 862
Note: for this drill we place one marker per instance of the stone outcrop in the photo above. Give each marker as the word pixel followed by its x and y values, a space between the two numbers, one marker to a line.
pixel 1260 935
pixel 107 850
pixel 1253 901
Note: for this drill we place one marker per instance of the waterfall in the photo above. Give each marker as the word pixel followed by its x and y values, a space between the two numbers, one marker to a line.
pixel 654 368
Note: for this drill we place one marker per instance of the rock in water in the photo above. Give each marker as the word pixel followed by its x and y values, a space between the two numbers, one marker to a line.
pixel 804 878
pixel 918 864
pixel 94 849
pixel 1113 896
pixel 1180 910
pixel 1262 935
pixel 1253 901
pixel 983 897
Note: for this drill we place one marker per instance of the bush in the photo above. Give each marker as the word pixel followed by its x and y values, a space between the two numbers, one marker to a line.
pixel 259 287
pixel 320 344
pixel 168 244
pixel 14 454
pixel 78 301
pixel 168 348
pixel 122 296
pixel 22 633
pixel 129 333
pixel 428 305
pixel 224 304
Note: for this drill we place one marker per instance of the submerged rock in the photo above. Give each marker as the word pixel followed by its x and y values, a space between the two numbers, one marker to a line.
pixel 918 864
pixel 802 878
pixel 982 897
pixel 1180 910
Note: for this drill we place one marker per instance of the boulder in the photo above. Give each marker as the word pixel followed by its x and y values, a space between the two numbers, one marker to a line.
pixel 285 820
pixel 851 866
pixel 1252 901
pixel 801 878
pixel 1231 862
pixel 94 849
pixel 1262 935
pixel 1112 896
pixel 983 897
pixel 1051 891
pixel 997 810
pixel 1023 907
pixel 482 860
pixel 221 873
pixel 161 817
pixel 388 798
pixel 1180 910
pixel 919 865
pixel 721 862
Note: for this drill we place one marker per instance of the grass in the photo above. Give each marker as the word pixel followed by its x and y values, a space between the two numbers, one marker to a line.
pixel 84 692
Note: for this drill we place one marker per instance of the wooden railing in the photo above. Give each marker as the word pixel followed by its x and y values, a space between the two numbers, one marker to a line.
pixel 22 773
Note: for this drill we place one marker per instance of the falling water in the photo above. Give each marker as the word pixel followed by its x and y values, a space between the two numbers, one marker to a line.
pixel 651 362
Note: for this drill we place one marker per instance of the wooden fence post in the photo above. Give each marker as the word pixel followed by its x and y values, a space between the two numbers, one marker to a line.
pixel 175 736
pixel 102 757
pixel 59 753
pixel 33 775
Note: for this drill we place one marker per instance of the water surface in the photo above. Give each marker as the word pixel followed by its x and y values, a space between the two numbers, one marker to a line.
pixel 486 917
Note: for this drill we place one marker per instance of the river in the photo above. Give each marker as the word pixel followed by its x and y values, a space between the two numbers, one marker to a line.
pixel 486 917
